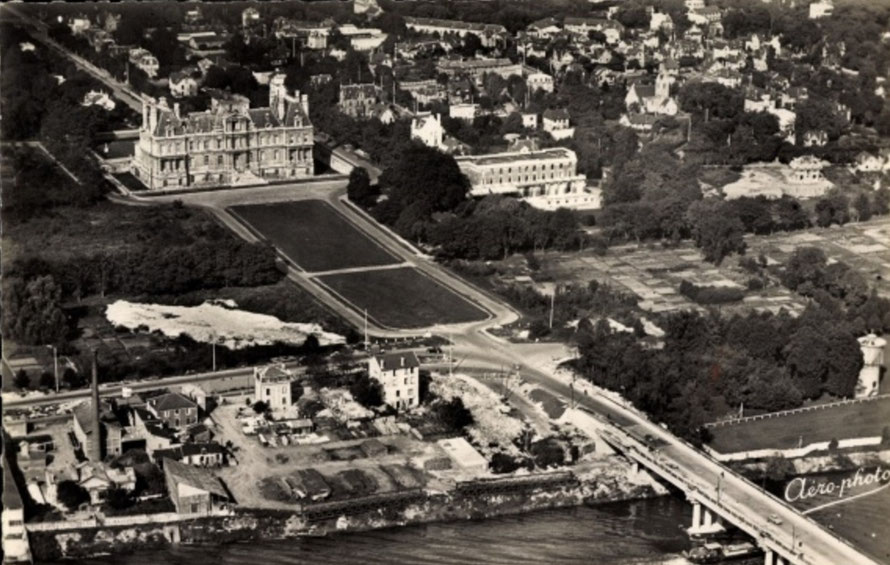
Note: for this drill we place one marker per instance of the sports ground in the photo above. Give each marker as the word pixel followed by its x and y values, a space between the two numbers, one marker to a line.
pixel 866 419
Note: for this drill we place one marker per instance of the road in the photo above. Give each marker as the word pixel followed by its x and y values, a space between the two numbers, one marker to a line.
pixel 119 90
pixel 479 349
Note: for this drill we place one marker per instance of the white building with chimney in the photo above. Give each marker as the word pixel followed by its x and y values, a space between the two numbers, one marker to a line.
pixel 272 385
pixel 399 375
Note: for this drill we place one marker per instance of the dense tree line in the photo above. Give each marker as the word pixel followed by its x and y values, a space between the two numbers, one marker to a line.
pixel 711 365
pixel 149 270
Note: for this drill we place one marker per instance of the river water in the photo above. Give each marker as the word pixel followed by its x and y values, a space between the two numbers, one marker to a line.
pixel 640 532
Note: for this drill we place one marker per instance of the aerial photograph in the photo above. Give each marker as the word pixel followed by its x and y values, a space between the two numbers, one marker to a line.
pixel 445 282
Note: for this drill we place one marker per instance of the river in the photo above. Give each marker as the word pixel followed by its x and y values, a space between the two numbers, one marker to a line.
pixel 640 532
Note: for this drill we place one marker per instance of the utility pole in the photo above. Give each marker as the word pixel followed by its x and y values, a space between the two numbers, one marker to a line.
pixel 56 365
pixel 213 349
pixel 367 345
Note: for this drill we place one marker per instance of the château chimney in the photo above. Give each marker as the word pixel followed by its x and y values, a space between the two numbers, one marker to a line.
pixel 95 445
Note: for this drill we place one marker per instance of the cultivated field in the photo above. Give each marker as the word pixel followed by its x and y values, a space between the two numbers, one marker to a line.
pixel 313 235
pixel 865 419
pixel 402 298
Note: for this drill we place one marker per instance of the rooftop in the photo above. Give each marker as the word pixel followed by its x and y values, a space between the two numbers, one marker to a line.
pixel 194 477
pixel 504 158
pixel 393 361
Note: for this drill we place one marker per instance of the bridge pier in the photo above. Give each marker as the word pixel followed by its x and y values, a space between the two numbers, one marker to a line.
pixel 768 557
pixel 696 516
pixel 704 521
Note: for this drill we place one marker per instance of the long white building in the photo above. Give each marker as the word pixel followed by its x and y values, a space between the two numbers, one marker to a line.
pixel 229 144
pixel 545 178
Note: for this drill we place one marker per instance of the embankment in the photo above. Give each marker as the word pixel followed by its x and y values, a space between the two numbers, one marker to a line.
pixel 467 501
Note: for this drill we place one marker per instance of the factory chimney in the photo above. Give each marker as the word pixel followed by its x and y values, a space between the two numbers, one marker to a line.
pixel 95 445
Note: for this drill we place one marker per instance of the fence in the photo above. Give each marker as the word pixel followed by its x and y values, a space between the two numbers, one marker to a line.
pixel 781 413
pixel 793 452
pixel 99 520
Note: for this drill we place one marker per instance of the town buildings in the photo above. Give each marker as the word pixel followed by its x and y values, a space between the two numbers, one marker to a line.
pixel 194 490
pixel 272 385
pixel 358 100
pixel 476 68
pixel 174 409
pixel 546 178
pixel 490 35
pixel 399 375
pixel 229 144
pixel 427 128
pixel 16 548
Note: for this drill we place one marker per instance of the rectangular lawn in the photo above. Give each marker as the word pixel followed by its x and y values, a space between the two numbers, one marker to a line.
pixel 313 235
pixel 837 422
pixel 402 298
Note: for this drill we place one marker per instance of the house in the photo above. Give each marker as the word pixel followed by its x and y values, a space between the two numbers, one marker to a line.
pixel 815 138
pixel 638 122
pixel 173 409
pixel 363 39
pixel 144 61
pixel 98 98
pixel 821 9
pixel 661 21
pixel 98 479
pixel 399 375
pixel 308 483
pixel 868 163
pixel 427 128
pixel 194 490
pixel 250 19
pixel 556 123
pixel 539 81
pixel 529 120
pixel 358 100
pixel 195 454
pixel 184 83
pixel 465 112
pixel 543 28
pixel 612 29
pixel 272 385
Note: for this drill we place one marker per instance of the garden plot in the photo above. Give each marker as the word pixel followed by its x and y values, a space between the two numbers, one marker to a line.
pixel 216 322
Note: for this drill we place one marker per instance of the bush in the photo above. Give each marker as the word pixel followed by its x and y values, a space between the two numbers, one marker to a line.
pixel 71 494
pixel 547 453
pixel 367 391
pixel 454 414
pixel 711 294
pixel 755 284
pixel 260 407
pixel 503 463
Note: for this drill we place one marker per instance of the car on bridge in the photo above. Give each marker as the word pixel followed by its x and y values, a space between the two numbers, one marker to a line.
pixel 773 519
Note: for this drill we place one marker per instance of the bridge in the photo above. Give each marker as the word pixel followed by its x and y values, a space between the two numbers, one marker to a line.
pixel 720 496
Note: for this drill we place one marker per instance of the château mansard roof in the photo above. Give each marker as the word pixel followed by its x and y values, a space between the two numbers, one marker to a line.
pixel 213 120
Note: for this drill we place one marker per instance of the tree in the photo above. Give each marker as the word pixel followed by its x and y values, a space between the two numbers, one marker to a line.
pixel 47 380
pixel 32 312
pixel 22 380
pixel 454 414
pixel 118 498
pixel 359 188
pixel 367 391
pixel 881 204
pixel 778 468
pixel 863 207
pixel 806 265
pixel 716 231
pixel 260 407
pixel 71 494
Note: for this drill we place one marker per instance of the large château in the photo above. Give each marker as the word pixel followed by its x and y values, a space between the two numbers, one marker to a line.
pixel 230 144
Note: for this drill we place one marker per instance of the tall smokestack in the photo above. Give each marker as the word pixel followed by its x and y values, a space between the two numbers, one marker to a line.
pixel 95 446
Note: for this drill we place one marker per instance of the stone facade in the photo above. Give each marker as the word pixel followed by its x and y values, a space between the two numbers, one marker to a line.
pixel 230 144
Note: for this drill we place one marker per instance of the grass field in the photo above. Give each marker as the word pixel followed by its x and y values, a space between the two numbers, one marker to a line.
pixel 862 522
pixel 838 422
pixel 313 235
pixel 402 298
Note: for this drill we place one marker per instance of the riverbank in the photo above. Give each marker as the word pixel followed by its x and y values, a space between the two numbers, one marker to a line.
pixel 477 500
